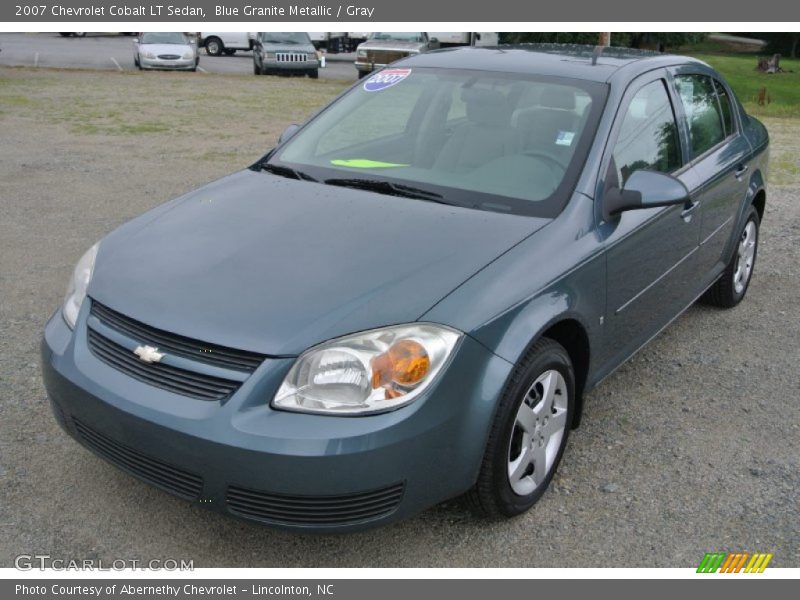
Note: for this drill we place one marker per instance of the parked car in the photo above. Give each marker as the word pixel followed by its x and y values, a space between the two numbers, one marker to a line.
pixel 217 43
pixel 285 52
pixel 165 50
pixel 409 297
pixel 383 48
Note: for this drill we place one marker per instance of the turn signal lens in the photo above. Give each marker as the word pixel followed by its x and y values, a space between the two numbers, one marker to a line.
pixel 406 363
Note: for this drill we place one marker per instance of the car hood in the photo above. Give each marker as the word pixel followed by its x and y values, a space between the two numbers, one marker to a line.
pixel 301 48
pixel 391 45
pixel 166 48
pixel 274 265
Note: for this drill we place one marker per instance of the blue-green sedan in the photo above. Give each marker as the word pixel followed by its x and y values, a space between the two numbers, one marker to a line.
pixel 408 298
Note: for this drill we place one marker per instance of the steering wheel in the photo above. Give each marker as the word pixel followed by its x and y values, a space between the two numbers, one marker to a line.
pixel 561 167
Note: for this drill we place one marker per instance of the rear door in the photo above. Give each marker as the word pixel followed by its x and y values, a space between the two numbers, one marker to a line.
pixel 719 155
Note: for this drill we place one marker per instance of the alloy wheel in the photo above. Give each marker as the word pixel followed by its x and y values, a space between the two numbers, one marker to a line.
pixel 746 253
pixel 538 429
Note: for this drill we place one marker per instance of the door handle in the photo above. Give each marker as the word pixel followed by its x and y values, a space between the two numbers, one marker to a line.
pixel 740 170
pixel 688 209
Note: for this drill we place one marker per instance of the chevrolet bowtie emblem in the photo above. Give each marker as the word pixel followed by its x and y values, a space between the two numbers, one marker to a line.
pixel 148 354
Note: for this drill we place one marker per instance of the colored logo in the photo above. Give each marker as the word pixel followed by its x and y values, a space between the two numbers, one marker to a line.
pixel 386 79
pixel 734 562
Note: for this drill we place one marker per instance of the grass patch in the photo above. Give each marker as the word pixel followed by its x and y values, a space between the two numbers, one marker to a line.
pixel 740 71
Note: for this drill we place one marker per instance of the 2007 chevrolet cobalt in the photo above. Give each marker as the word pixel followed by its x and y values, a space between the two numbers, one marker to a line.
pixel 407 299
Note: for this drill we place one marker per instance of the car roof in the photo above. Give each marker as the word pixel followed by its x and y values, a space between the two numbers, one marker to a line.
pixel 563 60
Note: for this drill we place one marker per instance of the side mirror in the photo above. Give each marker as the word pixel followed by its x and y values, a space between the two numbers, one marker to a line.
pixel 288 132
pixel 434 40
pixel 644 189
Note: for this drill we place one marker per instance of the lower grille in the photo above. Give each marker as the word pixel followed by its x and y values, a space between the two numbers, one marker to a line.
pixel 153 471
pixel 179 381
pixel 384 57
pixel 169 56
pixel 290 57
pixel 314 510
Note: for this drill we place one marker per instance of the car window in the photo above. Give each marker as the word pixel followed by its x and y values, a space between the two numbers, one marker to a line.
pixel 702 111
pixel 725 106
pixel 163 37
pixel 478 138
pixel 284 37
pixel 648 137
pixel 381 115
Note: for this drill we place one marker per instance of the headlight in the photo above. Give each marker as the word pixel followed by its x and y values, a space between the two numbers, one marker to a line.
pixel 367 372
pixel 361 54
pixel 268 55
pixel 76 290
pixel 149 55
pixel 188 55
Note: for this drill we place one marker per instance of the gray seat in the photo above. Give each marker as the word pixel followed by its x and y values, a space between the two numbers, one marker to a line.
pixel 485 136
pixel 540 128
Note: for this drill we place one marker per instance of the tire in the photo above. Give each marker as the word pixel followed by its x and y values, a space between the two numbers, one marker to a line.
pixel 731 287
pixel 214 46
pixel 65 34
pixel 136 62
pixel 545 367
pixel 256 69
pixel 362 74
pixel 314 73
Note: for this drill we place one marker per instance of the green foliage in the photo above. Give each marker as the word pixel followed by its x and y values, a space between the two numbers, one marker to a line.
pixel 787 44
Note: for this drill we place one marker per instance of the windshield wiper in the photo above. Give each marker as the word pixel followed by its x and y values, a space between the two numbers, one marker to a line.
pixel 389 188
pixel 286 172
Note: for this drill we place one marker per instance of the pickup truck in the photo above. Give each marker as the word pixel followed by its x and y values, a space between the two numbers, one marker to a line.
pixel 217 43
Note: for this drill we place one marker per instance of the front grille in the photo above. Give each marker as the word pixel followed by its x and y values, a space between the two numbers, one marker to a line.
pixel 314 510
pixel 169 56
pixel 167 477
pixel 179 381
pixel 218 356
pixel 384 57
pixel 291 57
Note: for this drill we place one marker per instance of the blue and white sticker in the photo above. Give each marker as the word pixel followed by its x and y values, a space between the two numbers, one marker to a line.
pixel 386 79
pixel 564 138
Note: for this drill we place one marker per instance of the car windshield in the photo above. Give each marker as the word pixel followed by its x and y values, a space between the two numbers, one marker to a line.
pixel 280 37
pixel 163 37
pixel 494 141
pixel 402 36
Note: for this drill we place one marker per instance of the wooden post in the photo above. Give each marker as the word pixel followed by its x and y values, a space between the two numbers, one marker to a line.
pixel 604 39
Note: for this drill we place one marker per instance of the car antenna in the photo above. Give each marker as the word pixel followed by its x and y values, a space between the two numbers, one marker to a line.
pixel 598 50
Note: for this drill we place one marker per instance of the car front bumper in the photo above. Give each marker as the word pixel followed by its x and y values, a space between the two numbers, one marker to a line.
pixel 289 470
pixel 181 64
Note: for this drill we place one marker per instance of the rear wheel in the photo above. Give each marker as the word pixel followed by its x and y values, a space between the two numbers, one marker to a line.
pixel 214 46
pixel 731 287
pixel 528 435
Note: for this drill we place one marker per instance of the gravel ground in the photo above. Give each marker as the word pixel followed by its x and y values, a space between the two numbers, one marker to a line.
pixel 691 447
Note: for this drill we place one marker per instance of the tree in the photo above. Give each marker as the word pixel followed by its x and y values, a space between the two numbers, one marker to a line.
pixel 786 43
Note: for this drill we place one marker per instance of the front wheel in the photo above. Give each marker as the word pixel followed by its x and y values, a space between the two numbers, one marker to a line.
pixel 731 287
pixel 256 69
pixel 214 46
pixel 528 435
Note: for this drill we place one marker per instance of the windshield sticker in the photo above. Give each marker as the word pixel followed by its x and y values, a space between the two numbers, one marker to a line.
pixel 564 138
pixel 365 163
pixel 386 79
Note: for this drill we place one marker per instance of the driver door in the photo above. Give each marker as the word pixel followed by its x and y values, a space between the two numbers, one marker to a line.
pixel 650 253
